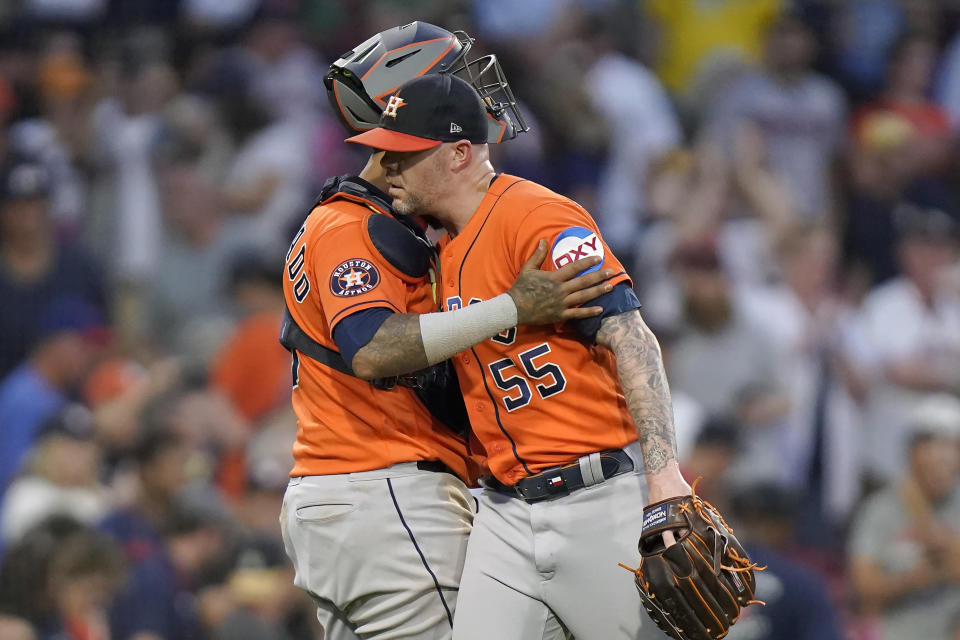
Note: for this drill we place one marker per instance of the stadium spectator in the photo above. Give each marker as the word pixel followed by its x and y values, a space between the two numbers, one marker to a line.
pixel 59 137
pixel 716 336
pixel 161 459
pixel 818 347
pixel 910 70
pixel 880 181
pixel 765 517
pixel 636 107
pixel 912 325
pixel 251 368
pixel 258 594
pixel 905 542
pixel 85 572
pixel 158 601
pixel 34 267
pixel 265 191
pixel 63 477
pixel 714 452
pixel 126 131
pixel 71 338
pixel 861 33
pixel 798 114
pixel 696 38
pixel 187 303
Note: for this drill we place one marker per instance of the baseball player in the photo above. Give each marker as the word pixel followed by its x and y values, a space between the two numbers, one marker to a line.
pixel 575 419
pixel 377 513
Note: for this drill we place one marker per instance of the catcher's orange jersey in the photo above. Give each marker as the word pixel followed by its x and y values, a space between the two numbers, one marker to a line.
pixel 344 424
pixel 537 396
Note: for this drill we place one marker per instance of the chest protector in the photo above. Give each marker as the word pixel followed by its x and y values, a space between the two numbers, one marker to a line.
pixel 405 249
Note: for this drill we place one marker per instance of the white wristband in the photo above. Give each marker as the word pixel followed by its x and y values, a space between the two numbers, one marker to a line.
pixel 450 332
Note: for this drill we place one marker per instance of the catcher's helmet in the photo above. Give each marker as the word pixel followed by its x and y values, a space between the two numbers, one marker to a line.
pixel 361 80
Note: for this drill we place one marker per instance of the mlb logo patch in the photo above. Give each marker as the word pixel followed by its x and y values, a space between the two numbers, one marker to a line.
pixel 575 244
pixel 354 277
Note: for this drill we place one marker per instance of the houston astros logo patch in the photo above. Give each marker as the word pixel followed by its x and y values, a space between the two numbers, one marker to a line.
pixel 354 277
pixel 576 243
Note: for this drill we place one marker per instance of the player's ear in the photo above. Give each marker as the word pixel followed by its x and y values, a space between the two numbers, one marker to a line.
pixel 461 155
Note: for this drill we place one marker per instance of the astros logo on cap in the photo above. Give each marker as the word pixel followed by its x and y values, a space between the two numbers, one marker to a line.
pixel 393 104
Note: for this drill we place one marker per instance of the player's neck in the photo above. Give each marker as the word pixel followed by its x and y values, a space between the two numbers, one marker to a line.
pixel 373 172
pixel 465 204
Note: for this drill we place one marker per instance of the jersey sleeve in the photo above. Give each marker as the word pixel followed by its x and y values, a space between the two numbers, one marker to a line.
pixel 351 277
pixel 571 234
pixel 620 300
pixel 355 330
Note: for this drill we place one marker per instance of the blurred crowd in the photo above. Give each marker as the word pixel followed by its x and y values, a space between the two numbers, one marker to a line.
pixel 783 179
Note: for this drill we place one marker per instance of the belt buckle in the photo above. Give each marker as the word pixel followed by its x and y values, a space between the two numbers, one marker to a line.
pixel 385 384
pixel 412 381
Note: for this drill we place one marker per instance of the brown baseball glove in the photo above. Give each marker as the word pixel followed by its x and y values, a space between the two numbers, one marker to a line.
pixel 693 589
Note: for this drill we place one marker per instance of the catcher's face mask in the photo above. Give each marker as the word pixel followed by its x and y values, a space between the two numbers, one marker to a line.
pixel 360 82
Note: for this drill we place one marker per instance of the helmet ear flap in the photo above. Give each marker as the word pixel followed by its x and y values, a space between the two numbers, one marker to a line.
pixel 350 101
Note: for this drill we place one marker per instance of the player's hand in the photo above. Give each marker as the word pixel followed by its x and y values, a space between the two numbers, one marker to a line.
pixel 548 297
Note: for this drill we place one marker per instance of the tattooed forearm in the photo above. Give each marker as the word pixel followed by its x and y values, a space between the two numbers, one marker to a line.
pixel 539 299
pixel 395 349
pixel 644 383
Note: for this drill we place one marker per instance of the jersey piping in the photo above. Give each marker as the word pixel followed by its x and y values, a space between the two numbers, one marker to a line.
pixel 483 374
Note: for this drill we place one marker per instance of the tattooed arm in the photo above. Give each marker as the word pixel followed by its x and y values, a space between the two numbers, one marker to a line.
pixel 644 384
pixel 536 297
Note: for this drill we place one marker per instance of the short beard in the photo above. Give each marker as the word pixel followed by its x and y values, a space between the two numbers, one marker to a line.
pixel 409 206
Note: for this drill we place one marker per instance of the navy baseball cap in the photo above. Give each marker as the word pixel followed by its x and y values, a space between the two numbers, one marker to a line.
pixel 71 314
pixel 427 111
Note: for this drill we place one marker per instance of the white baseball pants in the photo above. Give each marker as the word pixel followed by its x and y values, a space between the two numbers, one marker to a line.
pixel 381 552
pixel 549 570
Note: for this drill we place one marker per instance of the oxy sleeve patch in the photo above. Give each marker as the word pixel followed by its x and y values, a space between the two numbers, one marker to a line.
pixel 354 277
pixel 576 243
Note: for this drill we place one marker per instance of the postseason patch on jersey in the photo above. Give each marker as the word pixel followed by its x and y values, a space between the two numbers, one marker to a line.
pixel 575 244
pixel 354 277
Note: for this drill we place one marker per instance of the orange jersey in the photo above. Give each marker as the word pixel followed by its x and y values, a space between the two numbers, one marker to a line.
pixel 537 396
pixel 344 424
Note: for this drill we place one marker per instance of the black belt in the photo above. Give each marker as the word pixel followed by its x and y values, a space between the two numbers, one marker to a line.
pixel 560 481
pixel 434 465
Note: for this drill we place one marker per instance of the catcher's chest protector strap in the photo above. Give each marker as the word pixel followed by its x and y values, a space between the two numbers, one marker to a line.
pixel 401 244
pixel 293 338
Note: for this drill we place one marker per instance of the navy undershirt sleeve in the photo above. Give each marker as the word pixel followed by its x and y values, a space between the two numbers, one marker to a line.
pixel 620 300
pixel 353 332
